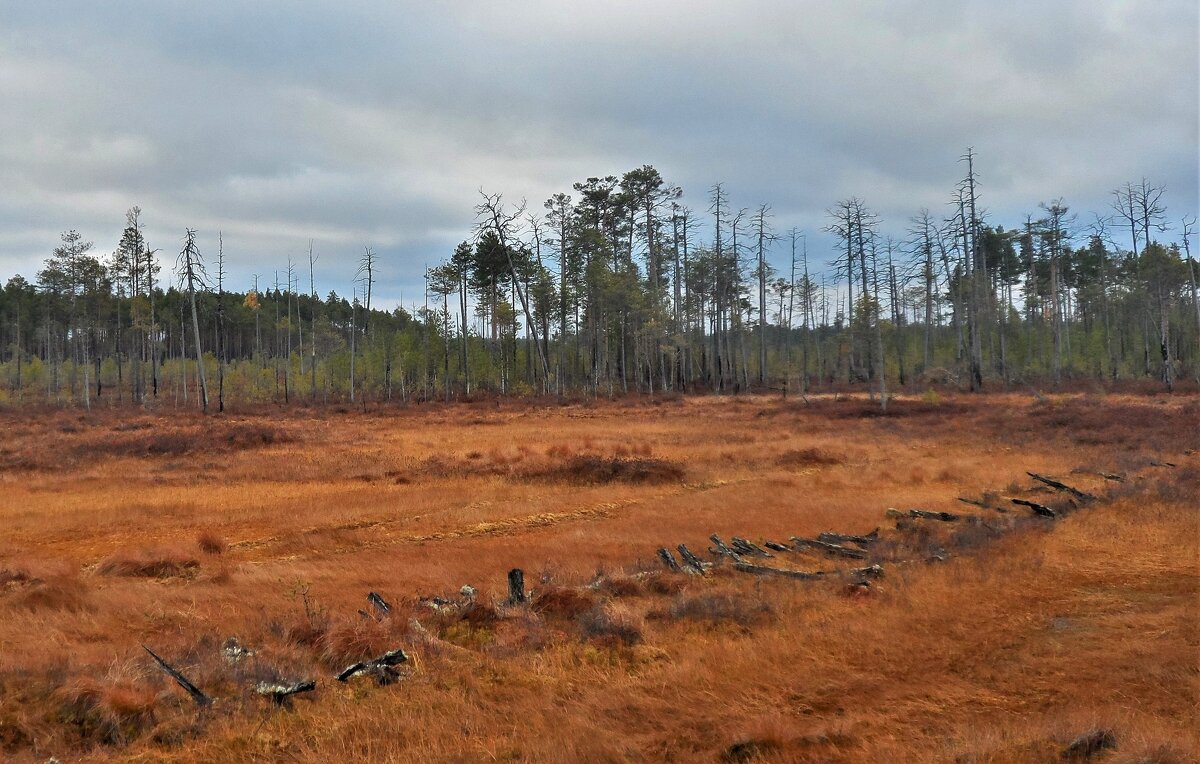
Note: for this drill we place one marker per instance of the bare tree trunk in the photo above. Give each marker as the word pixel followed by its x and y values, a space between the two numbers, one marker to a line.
pixel 192 266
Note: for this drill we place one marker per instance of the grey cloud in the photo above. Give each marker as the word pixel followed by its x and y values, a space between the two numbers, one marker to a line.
pixel 376 123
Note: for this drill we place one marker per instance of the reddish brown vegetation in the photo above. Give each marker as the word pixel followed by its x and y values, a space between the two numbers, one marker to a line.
pixel 595 470
pixel 1028 634
pixel 211 543
pixel 149 563
pixel 807 457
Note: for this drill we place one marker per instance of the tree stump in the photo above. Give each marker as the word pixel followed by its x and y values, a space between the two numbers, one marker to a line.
pixel 516 586
pixel 690 559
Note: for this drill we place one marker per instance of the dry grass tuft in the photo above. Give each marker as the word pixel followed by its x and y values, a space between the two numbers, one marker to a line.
pixel 217 437
pixel 355 639
pixel 621 586
pixel 50 593
pixel 563 602
pixel 211 543
pixel 611 625
pixel 110 713
pixel 807 457
pixel 598 470
pixel 163 562
pixel 720 607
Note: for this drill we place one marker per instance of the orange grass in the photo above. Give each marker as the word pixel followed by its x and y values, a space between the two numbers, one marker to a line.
pixel 187 531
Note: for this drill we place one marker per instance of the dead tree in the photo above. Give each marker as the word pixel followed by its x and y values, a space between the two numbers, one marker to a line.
pixel 722 549
pixel 830 537
pixel 281 694
pixel 668 560
pixel 382 608
pixel 199 697
pixel 691 560
pixel 1040 509
pixel 763 570
pixel 750 549
pixel 502 224
pixel 834 549
pixel 1078 494
pixel 191 274
pixel 516 586
pixel 381 668
pixel 871 571
pixel 924 514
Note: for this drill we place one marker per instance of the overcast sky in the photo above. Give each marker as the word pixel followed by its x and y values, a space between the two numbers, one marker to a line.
pixel 376 123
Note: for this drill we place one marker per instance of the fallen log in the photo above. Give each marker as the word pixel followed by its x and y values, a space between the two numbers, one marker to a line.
pixel 380 668
pixel 924 514
pixel 763 570
pixel 691 560
pixel 823 546
pixel 742 546
pixel 1114 477
pixel 831 537
pixel 1040 509
pixel 668 560
pixel 1081 495
pixel 722 549
pixel 516 586
pixel 234 652
pixel 871 571
pixel 381 605
pixel 776 546
pixel 198 696
pixel 281 694
pixel 983 504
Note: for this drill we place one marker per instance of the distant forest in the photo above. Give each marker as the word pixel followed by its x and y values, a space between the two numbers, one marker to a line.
pixel 617 287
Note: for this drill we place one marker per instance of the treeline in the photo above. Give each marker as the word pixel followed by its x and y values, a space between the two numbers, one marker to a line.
pixel 620 287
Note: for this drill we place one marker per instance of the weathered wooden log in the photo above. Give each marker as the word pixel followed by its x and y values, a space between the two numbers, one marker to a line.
pixel 983 504
pixel 776 546
pixel 234 652
pixel 281 694
pixel 831 537
pixel 763 570
pixel 380 668
pixel 1090 743
pixel 924 514
pixel 1040 509
pixel 381 605
pixel 690 559
pixel 516 586
pixel 871 571
pixel 1078 494
pixel 1114 477
pixel 722 549
pixel 836 549
pixel 742 546
pixel 668 560
pixel 198 696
